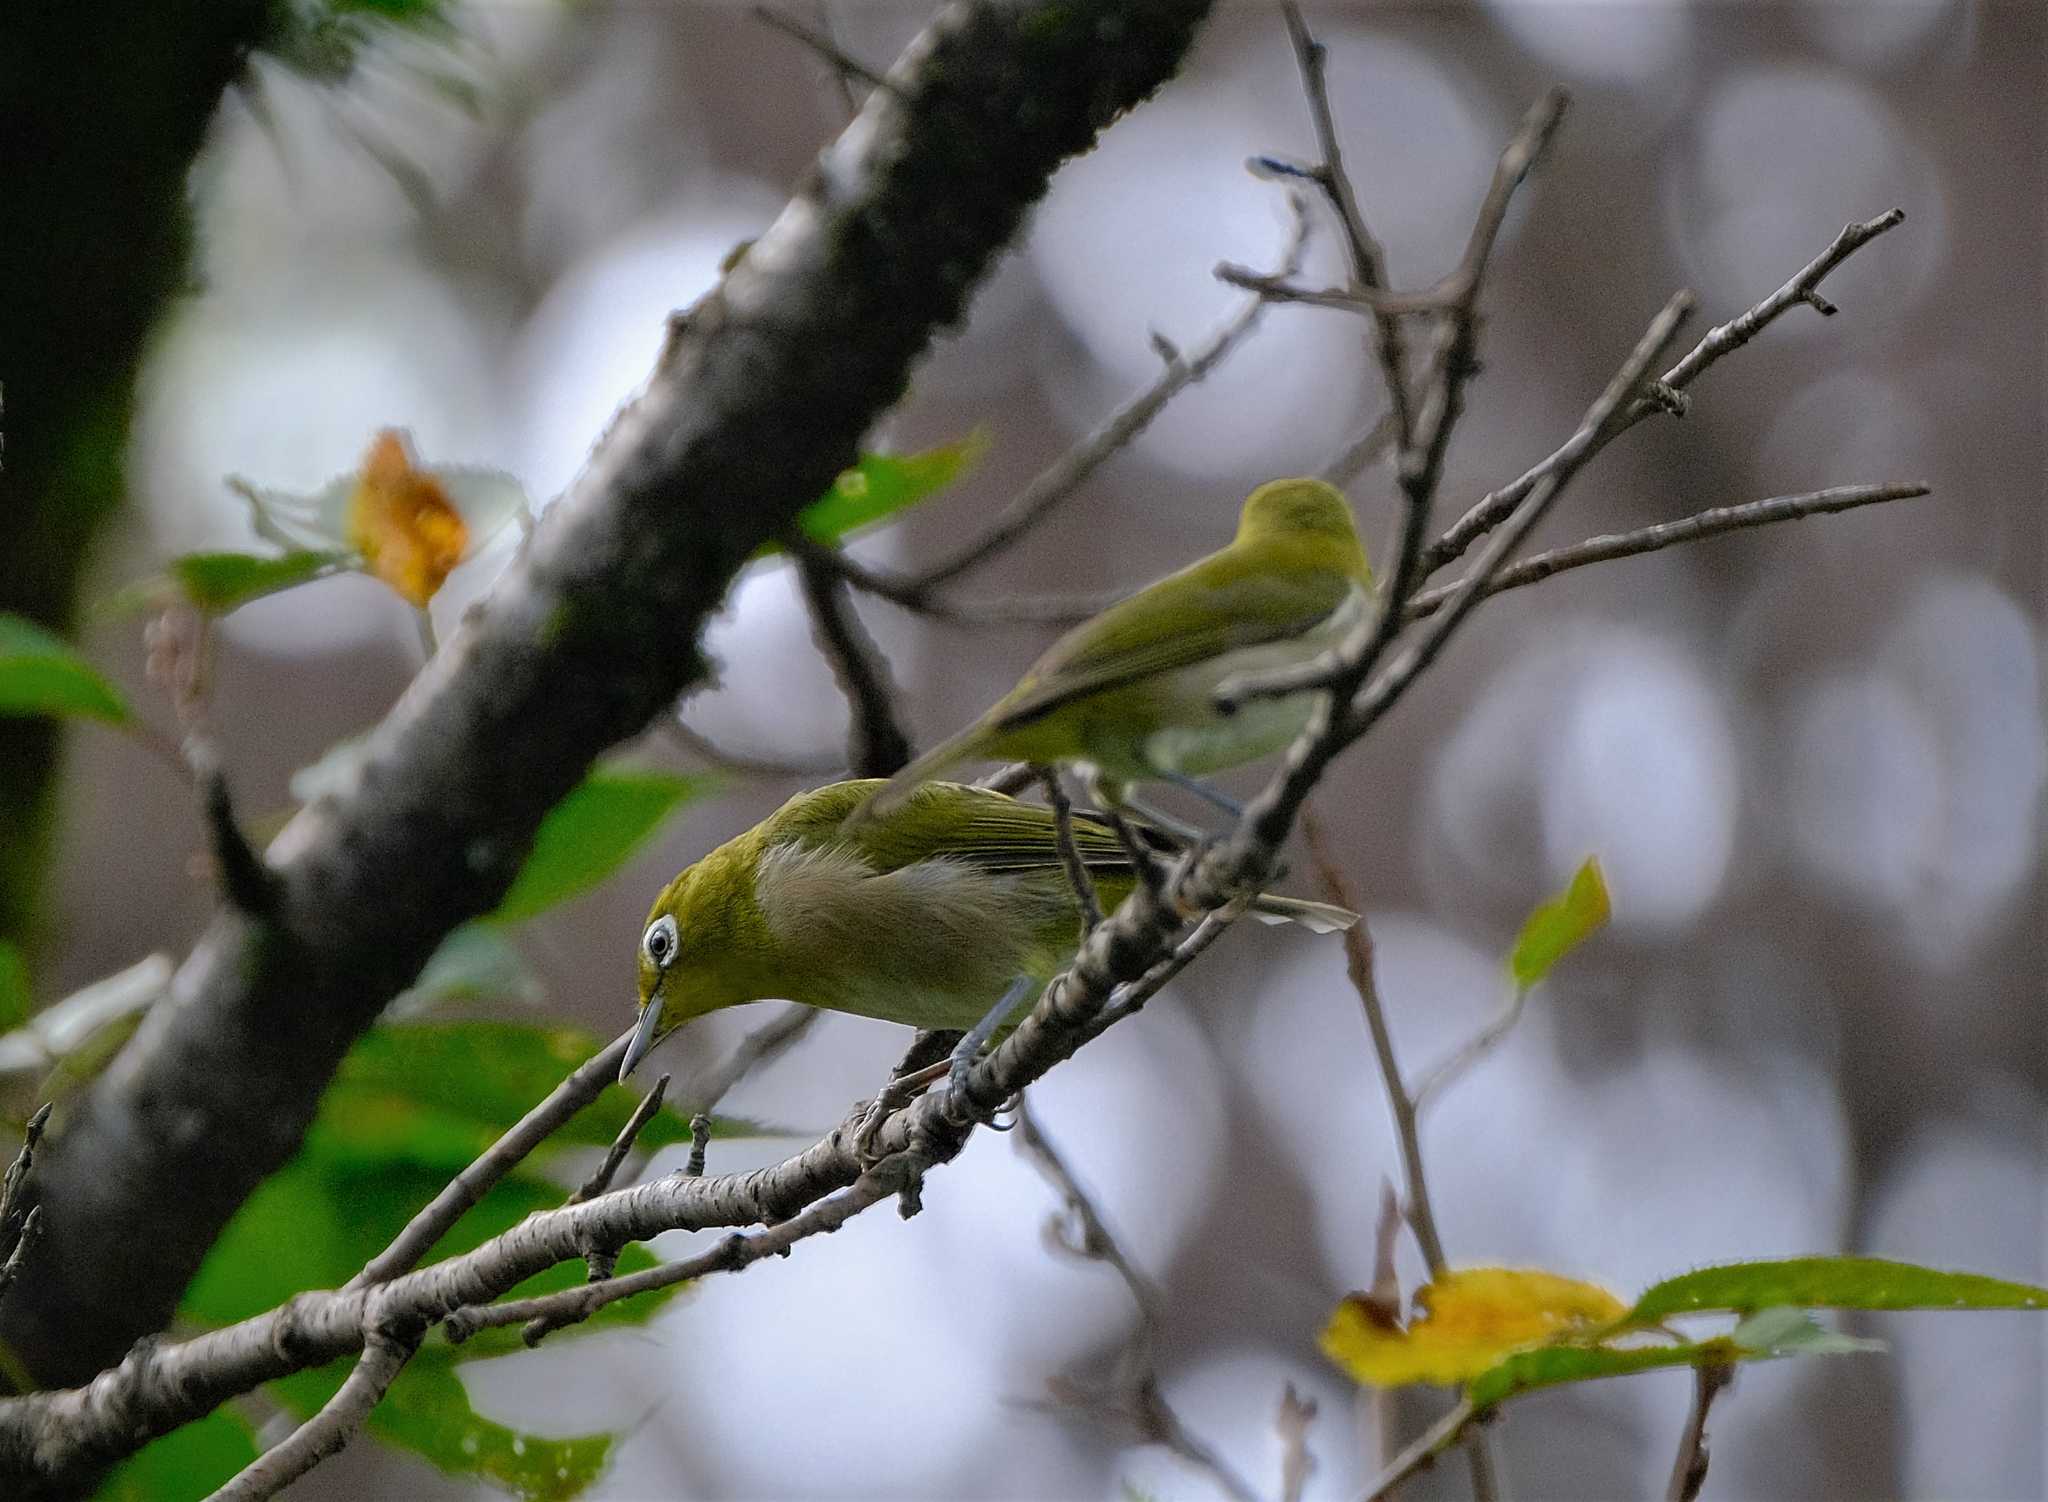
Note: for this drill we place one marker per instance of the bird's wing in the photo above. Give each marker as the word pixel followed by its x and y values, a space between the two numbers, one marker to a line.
pixel 1223 604
pixel 981 828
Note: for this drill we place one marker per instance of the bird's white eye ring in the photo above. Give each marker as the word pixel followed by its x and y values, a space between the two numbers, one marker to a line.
pixel 659 942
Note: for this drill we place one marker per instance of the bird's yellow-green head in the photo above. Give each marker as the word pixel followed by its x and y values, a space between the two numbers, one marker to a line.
pixel 1303 510
pixel 702 947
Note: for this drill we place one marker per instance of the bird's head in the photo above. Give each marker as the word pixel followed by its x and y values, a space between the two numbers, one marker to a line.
pixel 1305 512
pixel 697 949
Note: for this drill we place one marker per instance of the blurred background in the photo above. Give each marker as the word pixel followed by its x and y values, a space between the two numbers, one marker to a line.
pixel 1810 758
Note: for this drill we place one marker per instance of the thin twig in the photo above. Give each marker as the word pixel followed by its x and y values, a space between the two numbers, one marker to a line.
pixel 1085 896
pixel 843 65
pixel 1421 457
pixel 766 1043
pixel 1694 528
pixel 602 1261
pixel 742 1249
pixel 1059 481
pixel 179 659
pixel 1130 999
pixel 22 1244
pixel 876 744
pixel 1291 1424
pixel 1381 696
pixel 582 1087
pixel 384 1357
pixel 601 1177
pixel 1422 1453
pixel 1358 961
pixel 1368 261
pixel 1689 1470
pixel 21 1219
pixel 841 78
pixel 1472 1050
pixel 1492 509
pixel 697 744
pixel 1133 1395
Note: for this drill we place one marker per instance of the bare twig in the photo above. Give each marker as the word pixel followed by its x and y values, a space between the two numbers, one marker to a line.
pixel 1133 1394
pixel 843 66
pixel 1382 695
pixel 19 1245
pixel 554 1311
pixel 1291 1424
pixel 21 1219
pixel 582 1087
pixel 1422 1453
pixel 695 743
pixel 1472 1050
pixel 876 744
pixel 179 647
pixel 1694 528
pixel 601 1177
pixel 384 1357
pixel 1078 878
pixel 1358 960
pixel 1065 475
pixel 1493 509
pixel 1368 261
pixel 1421 449
pixel 700 1144
pixel 1689 1469
pixel 602 1261
pixel 766 1043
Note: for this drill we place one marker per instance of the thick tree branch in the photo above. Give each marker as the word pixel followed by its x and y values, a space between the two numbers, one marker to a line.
pixel 758 402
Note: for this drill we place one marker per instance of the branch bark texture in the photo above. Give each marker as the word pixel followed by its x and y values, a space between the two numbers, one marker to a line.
pixel 758 401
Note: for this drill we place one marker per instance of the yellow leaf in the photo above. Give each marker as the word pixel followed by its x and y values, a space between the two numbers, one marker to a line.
pixel 1471 1321
pixel 403 523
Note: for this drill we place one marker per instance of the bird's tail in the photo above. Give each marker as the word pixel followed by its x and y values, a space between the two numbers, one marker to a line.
pixel 1316 917
pixel 941 758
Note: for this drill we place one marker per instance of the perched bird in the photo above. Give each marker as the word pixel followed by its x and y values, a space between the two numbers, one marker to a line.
pixel 926 915
pixel 1130 694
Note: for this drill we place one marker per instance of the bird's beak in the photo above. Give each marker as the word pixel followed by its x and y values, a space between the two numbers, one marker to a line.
pixel 644 1037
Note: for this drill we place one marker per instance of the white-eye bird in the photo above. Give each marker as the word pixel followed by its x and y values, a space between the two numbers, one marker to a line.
pixel 951 910
pixel 1129 695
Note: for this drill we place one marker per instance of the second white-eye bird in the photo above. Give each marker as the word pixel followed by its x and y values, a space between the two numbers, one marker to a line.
pixel 932 914
pixel 1130 694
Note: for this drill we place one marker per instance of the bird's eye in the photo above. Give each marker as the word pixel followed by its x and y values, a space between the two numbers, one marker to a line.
pixel 660 940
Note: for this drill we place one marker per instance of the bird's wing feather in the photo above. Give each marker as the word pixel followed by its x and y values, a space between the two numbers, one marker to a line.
pixel 981 828
pixel 1223 604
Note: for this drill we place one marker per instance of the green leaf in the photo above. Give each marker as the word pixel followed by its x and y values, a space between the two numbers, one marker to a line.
pixel 1794 1332
pixel 591 833
pixel 218 582
pixel 475 963
pixel 1560 925
pixel 185 1465
pixel 14 997
pixel 1768 1336
pixel 1552 1366
pixel 1830 1283
pixel 880 485
pixel 40 675
pixel 428 1412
